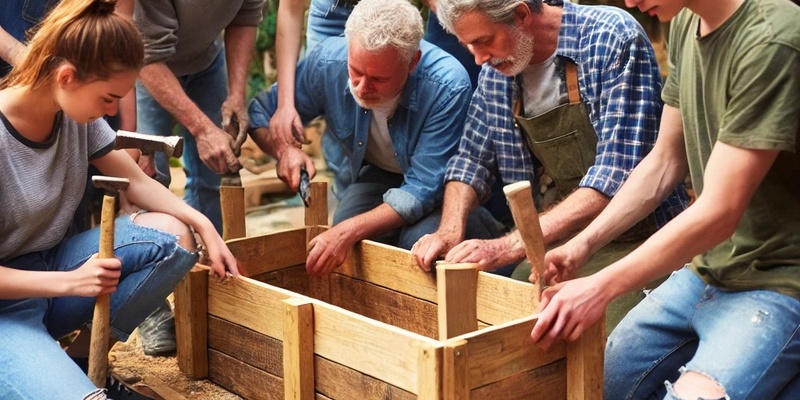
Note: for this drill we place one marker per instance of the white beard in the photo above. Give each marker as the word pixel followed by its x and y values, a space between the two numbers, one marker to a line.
pixel 520 58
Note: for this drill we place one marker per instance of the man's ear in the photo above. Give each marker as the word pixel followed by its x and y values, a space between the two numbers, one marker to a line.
pixel 66 75
pixel 522 14
pixel 414 61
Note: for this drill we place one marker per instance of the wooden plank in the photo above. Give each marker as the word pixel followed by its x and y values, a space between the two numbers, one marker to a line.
pixel 457 287
pixel 429 372
pixel 317 211
pixel 335 381
pixel 389 267
pixel 259 254
pixel 245 345
pixel 501 351
pixel 191 310
pixel 548 382
pixel 161 389
pixel 585 364
pixel 249 303
pixel 502 299
pixel 297 280
pixel 526 219
pixel 242 379
pixel 455 379
pixel 388 353
pixel 231 201
pixel 298 349
pixel 384 305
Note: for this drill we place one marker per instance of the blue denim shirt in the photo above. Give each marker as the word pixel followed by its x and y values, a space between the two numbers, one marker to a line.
pixel 425 128
pixel 17 16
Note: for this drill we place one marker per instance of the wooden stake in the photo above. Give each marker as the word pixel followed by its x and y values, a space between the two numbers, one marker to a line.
pixel 526 219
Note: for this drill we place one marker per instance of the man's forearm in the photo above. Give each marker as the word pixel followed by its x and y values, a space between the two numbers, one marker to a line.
pixel 459 200
pixel 373 222
pixel 239 46
pixel 165 89
pixel 572 214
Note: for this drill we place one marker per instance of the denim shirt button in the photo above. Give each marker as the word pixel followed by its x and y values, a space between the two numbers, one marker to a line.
pixel 360 143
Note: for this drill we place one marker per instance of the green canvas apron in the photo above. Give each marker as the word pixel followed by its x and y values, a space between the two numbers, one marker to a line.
pixel 564 141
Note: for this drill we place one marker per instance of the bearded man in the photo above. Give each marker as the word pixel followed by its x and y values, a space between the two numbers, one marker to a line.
pixel 394 106
pixel 568 96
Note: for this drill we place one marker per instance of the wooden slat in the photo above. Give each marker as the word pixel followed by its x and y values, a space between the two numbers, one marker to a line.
pixel 429 372
pixel 253 348
pixel 259 254
pixel 335 381
pixel 389 267
pixel 317 211
pixel 386 352
pixel 191 310
pixel 502 299
pixel 249 303
pixel 242 379
pixel 501 351
pixel 298 349
pixel 585 364
pixel 548 382
pixel 297 280
pixel 526 219
pixel 384 305
pixel 455 379
pixel 161 389
pixel 457 287
pixel 231 201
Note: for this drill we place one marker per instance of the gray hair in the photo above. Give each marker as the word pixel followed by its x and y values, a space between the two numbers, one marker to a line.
pixel 378 24
pixel 498 11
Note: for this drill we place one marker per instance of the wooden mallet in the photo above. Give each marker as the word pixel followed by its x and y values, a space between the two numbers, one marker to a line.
pixel 526 219
pixel 98 349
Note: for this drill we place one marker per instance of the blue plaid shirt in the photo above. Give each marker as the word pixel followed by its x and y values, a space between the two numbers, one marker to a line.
pixel 620 85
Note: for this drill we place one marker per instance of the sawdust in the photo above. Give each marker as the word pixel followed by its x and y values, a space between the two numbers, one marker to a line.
pixel 130 365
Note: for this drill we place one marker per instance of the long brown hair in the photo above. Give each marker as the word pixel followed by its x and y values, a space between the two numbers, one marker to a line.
pixel 85 33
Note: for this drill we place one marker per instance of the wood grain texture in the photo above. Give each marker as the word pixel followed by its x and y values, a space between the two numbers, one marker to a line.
pixel 297 280
pixel 231 202
pixel 547 382
pixel 455 376
pixel 526 220
pixel 259 254
pixel 585 364
pixel 98 345
pixel 242 379
pixel 255 349
pixel 389 267
pixel 317 211
pixel 501 299
pixel 298 349
pixel 335 381
pixel 457 297
pixel 191 326
pixel 384 305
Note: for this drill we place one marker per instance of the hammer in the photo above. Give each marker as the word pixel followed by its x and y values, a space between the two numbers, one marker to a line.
pixel 149 144
pixel 98 348
pixel 526 219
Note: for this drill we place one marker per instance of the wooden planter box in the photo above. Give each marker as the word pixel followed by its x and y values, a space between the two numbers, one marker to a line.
pixel 377 328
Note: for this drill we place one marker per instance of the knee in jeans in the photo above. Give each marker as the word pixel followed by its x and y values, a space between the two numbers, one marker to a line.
pixel 169 224
pixel 693 385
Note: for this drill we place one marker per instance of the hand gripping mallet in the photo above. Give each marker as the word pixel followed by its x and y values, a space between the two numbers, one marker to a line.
pixel 98 349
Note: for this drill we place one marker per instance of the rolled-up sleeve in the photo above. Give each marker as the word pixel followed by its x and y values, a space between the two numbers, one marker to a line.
pixel 158 24
pixel 251 13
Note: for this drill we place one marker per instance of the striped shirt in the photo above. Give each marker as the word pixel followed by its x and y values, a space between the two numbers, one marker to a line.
pixel 620 86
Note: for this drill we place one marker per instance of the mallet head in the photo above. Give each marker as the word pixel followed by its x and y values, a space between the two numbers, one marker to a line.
pixel 111 185
pixel 149 144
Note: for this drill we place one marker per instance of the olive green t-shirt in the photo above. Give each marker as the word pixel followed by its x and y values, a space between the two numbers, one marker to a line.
pixel 740 85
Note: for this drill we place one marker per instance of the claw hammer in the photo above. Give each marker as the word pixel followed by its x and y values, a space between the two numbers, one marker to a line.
pixel 98 348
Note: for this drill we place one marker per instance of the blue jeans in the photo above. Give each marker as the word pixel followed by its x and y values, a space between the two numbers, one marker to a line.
pixel 326 18
pixel 32 364
pixel 746 341
pixel 208 89
pixel 367 193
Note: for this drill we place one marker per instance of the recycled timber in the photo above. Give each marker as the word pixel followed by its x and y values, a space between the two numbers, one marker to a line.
pixel 376 328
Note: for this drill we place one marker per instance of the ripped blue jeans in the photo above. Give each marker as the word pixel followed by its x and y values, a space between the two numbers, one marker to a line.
pixel 32 364
pixel 746 341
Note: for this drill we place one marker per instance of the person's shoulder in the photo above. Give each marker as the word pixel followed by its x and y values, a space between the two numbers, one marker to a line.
pixel 332 48
pixel 773 21
pixel 441 67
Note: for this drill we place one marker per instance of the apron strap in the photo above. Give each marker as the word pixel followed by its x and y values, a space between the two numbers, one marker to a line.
pixel 572 82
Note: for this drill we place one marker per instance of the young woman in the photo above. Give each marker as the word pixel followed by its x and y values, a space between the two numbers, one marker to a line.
pixel 83 59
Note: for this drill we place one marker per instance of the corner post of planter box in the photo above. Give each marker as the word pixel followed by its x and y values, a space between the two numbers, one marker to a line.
pixel 429 372
pixel 585 364
pixel 455 376
pixel 316 215
pixel 298 349
pixel 191 323
pixel 457 292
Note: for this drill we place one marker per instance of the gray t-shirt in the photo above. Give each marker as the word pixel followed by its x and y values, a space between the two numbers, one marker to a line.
pixel 43 182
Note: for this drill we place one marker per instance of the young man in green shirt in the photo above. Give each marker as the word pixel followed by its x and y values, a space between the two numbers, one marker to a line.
pixel 725 325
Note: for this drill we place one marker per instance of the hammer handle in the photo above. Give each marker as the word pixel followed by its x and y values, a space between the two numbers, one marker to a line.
pixel 526 219
pixel 98 350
